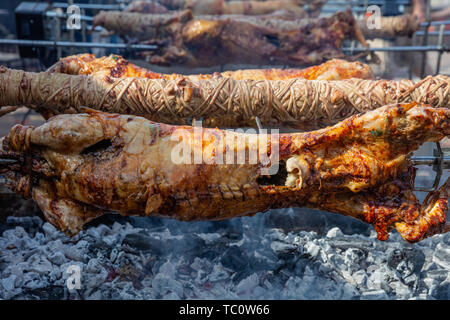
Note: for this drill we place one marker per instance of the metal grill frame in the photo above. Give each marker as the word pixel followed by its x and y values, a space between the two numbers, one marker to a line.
pixel 439 161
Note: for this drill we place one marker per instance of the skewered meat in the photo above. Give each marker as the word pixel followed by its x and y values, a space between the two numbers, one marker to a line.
pixel 223 7
pixel 220 102
pixel 146 7
pixel 114 66
pixel 183 40
pixel 77 167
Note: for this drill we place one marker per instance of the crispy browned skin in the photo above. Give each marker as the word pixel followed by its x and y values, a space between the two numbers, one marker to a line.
pixel 391 27
pixel 184 40
pixel 219 7
pixel 114 66
pixel 78 167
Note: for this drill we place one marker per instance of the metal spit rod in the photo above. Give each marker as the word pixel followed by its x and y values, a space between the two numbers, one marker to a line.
pixel 355 5
pixel 359 2
pixel 417 160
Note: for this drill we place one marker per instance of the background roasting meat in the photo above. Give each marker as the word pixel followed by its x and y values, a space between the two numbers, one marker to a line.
pixel 300 103
pixel 219 7
pixel 115 66
pixel 184 40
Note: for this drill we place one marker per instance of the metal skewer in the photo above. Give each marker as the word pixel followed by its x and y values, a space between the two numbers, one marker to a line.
pixel 400 49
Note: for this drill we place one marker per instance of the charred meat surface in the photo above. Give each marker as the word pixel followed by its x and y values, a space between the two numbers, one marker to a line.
pixel 77 167
pixel 218 7
pixel 222 101
pixel 185 40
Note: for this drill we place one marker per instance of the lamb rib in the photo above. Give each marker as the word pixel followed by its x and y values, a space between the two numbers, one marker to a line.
pixel 183 40
pixel 78 167
pixel 224 102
